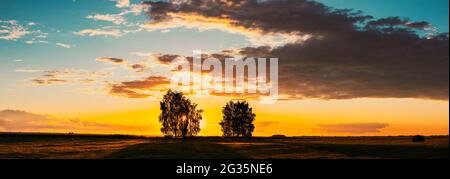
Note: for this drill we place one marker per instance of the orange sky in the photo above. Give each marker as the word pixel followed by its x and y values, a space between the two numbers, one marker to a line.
pixel 365 116
pixel 293 118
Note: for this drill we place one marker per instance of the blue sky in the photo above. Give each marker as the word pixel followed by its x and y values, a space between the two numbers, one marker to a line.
pixel 60 20
pixel 433 11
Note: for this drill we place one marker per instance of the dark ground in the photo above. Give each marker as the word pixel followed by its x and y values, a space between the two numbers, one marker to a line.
pixel 45 146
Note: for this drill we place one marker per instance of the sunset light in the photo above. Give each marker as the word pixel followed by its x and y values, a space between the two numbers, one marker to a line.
pixel 251 79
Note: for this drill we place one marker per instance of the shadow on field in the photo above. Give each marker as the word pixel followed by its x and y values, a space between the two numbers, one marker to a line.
pixel 45 146
pixel 305 149
pixel 176 149
pixel 294 148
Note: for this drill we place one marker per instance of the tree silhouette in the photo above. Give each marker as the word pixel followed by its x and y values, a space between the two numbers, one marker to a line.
pixel 179 116
pixel 237 119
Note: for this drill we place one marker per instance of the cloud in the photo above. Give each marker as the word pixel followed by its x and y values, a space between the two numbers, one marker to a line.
pixel 27 70
pixel 36 42
pixel 140 88
pixel 15 30
pixel 121 25
pixel 136 9
pixel 69 76
pixel 262 15
pixel 112 60
pixel 397 21
pixel 347 54
pixel 114 18
pixel 122 3
pixel 100 32
pixel 140 68
pixel 141 54
pixel 49 81
pixel 129 8
pixel 353 128
pixel 63 45
pixel 195 21
pixel 167 58
pixel 22 121
pixel 11 30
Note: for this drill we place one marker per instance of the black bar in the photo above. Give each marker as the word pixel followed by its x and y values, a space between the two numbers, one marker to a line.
pixel 168 168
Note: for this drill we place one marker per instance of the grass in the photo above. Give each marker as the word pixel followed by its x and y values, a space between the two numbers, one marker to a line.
pixel 52 146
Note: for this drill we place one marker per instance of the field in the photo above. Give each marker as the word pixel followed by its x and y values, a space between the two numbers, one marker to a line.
pixel 50 146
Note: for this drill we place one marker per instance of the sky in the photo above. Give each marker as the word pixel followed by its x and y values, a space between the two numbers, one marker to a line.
pixel 90 66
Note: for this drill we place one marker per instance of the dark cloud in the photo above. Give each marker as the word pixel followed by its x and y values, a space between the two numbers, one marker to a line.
pixel 364 64
pixel 166 58
pixel 270 16
pixel 137 67
pixel 140 68
pixel 353 128
pixel 49 81
pixel 397 22
pixel 111 60
pixel 133 89
pixel 350 55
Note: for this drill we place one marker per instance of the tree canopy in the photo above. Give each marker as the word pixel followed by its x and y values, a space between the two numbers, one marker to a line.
pixel 237 119
pixel 179 116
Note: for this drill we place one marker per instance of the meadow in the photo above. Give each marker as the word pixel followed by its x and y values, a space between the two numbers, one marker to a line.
pixel 73 146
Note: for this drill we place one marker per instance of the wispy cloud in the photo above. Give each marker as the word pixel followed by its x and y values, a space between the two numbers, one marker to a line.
pixel 140 88
pixel 23 121
pixel 122 3
pixel 11 30
pixel 114 18
pixel 129 8
pixel 99 32
pixel 141 54
pixel 69 76
pixel 63 45
pixel 139 67
pixel 36 42
pixel 121 25
pixel 111 60
pixel 28 70
pixel 131 86
pixel 353 128
pixel 15 30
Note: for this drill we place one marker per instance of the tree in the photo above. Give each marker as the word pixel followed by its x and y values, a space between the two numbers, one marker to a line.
pixel 179 116
pixel 237 119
